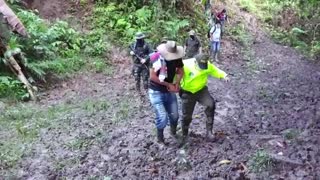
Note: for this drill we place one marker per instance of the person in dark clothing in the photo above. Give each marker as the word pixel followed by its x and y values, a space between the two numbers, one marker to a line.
pixel 165 75
pixel 140 51
pixel 192 45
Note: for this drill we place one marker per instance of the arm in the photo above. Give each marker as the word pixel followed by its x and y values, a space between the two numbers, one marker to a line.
pixel 154 78
pixel 216 72
pixel 131 51
pixel 180 74
pixel 147 57
pixel 185 46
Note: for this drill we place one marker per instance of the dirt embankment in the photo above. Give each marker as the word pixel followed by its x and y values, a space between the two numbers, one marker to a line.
pixel 52 9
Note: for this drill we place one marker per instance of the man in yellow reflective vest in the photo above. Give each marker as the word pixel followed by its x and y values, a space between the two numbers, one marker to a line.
pixel 194 89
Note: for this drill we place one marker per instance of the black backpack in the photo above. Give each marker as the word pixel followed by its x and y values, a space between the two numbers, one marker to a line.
pixel 209 34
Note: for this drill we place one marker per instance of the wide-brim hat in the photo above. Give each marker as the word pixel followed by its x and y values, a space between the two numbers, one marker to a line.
pixel 170 51
pixel 140 35
pixel 202 60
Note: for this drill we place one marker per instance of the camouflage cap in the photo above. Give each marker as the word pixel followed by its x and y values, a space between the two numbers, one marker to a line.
pixel 192 33
pixel 140 35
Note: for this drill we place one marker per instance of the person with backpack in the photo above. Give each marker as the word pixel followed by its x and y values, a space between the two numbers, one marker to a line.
pixel 194 89
pixel 165 75
pixel 140 50
pixel 192 45
pixel 215 37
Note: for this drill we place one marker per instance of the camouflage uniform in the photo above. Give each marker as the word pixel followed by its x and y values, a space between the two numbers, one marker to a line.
pixel 140 70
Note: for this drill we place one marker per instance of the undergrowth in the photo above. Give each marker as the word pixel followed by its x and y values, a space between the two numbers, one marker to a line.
pixel 55 48
pixel 294 23
pixel 260 161
pixel 122 22
pixel 23 124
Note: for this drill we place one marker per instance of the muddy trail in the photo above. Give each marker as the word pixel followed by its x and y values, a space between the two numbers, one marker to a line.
pixel 267 119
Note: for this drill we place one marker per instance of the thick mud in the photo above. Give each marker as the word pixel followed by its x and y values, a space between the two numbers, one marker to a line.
pixel 113 136
pixel 105 131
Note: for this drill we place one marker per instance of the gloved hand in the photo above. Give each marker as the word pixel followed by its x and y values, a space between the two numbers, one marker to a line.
pixel 143 61
pixel 132 53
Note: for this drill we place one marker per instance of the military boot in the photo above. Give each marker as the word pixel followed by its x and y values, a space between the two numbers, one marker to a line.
pixel 138 87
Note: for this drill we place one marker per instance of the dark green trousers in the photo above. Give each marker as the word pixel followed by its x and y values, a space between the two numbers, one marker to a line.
pixel 189 101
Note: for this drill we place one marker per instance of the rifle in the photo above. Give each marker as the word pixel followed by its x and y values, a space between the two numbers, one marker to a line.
pixel 140 58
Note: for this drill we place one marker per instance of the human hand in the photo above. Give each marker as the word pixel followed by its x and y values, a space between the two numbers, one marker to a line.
pixel 132 53
pixel 143 61
pixel 172 88
pixel 226 79
pixel 177 86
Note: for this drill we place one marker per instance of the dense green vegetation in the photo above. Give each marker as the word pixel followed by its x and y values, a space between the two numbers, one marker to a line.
pixel 56 48
pixel 292 22
pixel 122 19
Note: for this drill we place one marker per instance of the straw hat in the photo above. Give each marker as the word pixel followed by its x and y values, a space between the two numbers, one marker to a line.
pixel 170 51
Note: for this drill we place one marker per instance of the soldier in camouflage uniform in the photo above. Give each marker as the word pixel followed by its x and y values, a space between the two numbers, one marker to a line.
pixel 140 51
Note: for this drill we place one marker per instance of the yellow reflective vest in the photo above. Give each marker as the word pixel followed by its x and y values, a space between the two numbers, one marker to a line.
pixel 194 78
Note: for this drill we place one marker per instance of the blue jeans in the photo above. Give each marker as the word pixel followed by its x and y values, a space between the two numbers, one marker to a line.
pixel 165 106
pixel 215 47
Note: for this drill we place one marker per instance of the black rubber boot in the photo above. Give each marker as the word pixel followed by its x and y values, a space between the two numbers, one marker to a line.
pixel 173 130
pixel 185 132
pixel 138 87
pixel 209 127
pixel 160 136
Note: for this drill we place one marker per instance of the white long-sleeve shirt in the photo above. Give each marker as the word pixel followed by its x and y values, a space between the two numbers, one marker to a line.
pixel 215 33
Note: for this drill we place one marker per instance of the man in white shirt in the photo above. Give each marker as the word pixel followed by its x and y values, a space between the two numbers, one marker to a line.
pixel 215 36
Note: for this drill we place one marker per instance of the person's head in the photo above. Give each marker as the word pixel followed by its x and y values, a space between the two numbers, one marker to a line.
pixel 224 10
pixel 218 24
pixel 140 37
pixel 192 34
pixel 202 61
pixel 170 51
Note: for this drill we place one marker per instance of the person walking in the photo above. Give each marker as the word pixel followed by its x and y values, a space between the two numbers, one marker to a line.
pixel 192 45
pixel 140 50
pixel 194 89
pixel 165 75
pixel 215 38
